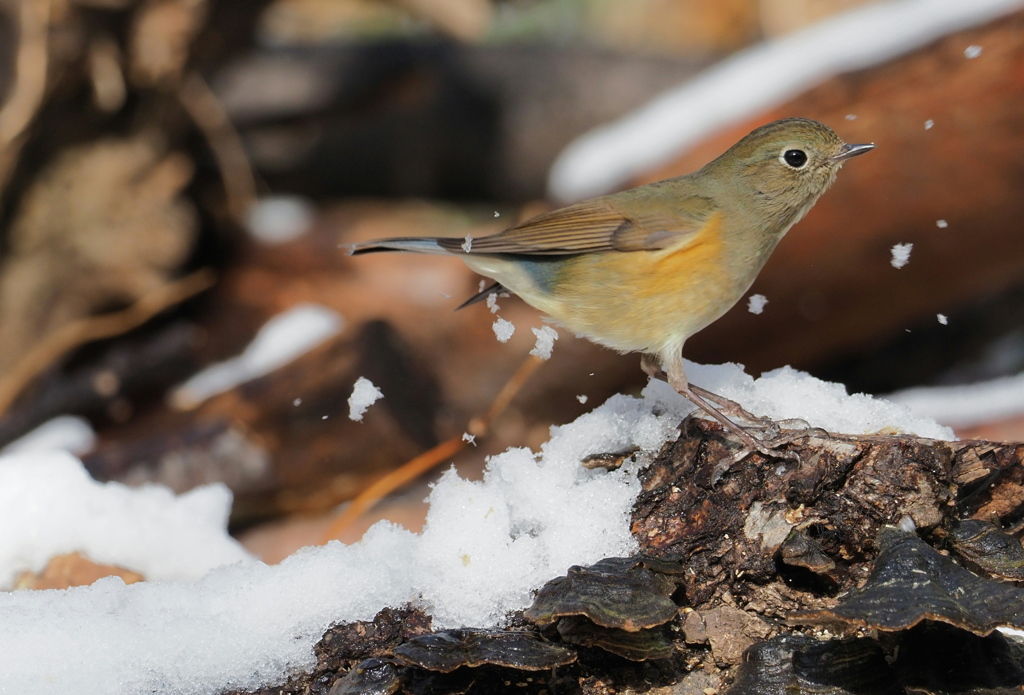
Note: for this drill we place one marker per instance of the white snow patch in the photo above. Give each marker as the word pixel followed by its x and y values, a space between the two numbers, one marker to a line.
pixel 929 124
pixel 485 547
pixel 467 245
pixel 279 219
pixel 581 399
pixel 503 330
pixel 492 302
pixel 963 406
pixel 901 255
pixel 364 394
pixel 787 393
pixel 756 302
pixel 850 117
pixel 943 319
pixel 281 340
pixel 50 506
pixel 546 337
pixel 62 433
pixel 752 81
pixel 972 52
pixel 469 438
pixel 941 224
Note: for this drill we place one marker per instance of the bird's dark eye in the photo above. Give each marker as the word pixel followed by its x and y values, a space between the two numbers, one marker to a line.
pixel 795 158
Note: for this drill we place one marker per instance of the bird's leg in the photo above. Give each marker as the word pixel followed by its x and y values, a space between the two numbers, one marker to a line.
pixel 652 367
pixel 676 378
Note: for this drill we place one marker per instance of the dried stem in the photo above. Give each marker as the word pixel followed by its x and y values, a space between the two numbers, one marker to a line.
pixel 226 144
pixel 29 88
pixel 407 472
pixel 72 335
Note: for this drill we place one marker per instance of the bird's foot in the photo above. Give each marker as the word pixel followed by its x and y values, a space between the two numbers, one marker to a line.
pixel 771 437
pixel 737 413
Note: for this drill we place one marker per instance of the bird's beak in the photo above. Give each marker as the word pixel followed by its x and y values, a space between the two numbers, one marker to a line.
pixel 848 151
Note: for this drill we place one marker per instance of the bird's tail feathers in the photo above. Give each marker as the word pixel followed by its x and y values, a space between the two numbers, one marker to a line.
pixel 412 244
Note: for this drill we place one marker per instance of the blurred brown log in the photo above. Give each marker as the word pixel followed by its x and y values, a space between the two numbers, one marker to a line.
pixel 284 442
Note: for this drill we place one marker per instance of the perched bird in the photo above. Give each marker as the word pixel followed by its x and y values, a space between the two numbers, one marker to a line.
pixel 644 269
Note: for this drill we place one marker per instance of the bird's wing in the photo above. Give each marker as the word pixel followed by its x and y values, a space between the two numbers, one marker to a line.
pixel 594 226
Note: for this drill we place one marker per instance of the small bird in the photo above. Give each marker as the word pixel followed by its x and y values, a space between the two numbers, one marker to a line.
pixel 644 269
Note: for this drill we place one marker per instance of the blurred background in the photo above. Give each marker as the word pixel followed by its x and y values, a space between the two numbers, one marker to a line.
pixel 176 173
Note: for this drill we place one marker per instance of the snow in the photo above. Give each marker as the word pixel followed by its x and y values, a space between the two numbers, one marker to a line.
pixel 280 219
pixel 966 405
pixel 941 224
pixel 467 244
pixel 485 547
pixel 50 506
pixel 503 330
pixel 281 340
pixel 62 433
pixel 788 393
pixel 582 399
pixel 900 255
pixel 929 124
pixel 756 302
pixel 972 52
pixel 492 302
pixel 546 337
pixel 364 394
pixel 752 81
pixel 943 319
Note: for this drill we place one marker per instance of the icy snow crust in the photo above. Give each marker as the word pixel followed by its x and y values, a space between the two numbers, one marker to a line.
pixel 364 394
pixel 900 255
pixel 486 545
pixel 546 337
pixel 64 432
pixel 788 393
pixel 503 329
pixel 485 548
pixel 283 338
pixel 50 506
pixel 967 405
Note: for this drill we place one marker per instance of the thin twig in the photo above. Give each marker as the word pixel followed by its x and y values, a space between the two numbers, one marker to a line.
pixel 209 115
pixel 479 427
pixel 29 88
pixel 407 472
pixel 72 335
pixel 30 70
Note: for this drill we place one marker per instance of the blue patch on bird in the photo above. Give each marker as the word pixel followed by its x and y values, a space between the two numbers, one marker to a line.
pixel 543 270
